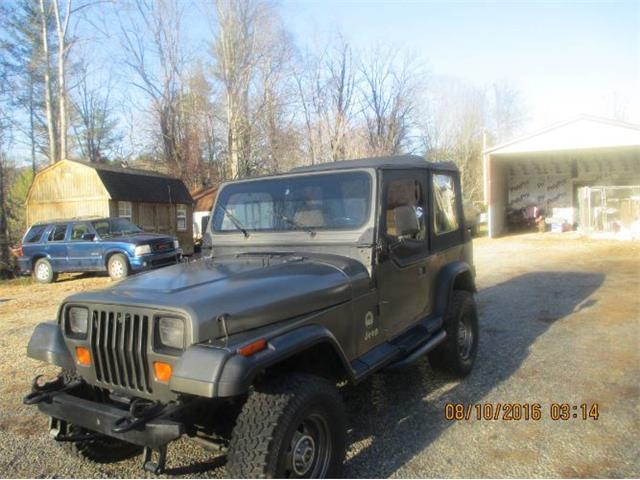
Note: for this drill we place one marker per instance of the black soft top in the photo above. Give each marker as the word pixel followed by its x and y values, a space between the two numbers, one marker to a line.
pixel 399 161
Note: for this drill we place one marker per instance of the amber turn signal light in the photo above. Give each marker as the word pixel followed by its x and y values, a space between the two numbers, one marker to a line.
pixel 252 348
pixel 83 356
pixel 162 371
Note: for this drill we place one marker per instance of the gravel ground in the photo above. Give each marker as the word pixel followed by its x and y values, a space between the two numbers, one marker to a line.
pixel 559 323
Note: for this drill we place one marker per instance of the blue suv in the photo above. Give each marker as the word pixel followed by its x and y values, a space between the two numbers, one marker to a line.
pixel 93 245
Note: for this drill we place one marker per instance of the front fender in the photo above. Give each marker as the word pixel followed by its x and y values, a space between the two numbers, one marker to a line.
pixel 446 280
pixel 47 344
pixel 217 372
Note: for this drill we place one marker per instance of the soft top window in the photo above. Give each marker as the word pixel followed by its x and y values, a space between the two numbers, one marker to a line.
pixel 335 201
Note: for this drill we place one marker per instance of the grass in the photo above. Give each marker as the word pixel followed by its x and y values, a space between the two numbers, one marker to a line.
pixel 18 281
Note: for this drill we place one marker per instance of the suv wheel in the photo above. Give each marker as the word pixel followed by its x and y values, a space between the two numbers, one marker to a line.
pixel 457 353
pixel 293 427
pixel 118 266
pixel 43 271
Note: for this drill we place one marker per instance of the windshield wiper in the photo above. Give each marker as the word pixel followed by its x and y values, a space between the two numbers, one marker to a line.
pixel 236 223
pixel 298 226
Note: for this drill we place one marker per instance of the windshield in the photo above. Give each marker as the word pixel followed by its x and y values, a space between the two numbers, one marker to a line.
pixel 336 201
pixel 115 226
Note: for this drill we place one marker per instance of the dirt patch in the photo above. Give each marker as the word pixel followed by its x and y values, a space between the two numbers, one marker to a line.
pixel 560 323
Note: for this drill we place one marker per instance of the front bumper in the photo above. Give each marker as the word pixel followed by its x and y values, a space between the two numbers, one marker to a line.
pixel 155 260
pixel 101 418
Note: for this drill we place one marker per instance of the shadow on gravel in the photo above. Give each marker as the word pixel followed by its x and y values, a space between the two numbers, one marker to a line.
pixel 396 416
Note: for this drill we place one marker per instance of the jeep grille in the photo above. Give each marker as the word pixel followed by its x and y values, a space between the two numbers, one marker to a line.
pixel 119 344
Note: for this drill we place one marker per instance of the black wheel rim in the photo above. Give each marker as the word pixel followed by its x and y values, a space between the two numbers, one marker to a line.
pixel 308 452
pixel 465 337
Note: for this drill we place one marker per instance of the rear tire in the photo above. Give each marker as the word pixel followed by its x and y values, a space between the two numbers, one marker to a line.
pixel 118 267
pixel 457 354
pixel 43 271
pixel 292 427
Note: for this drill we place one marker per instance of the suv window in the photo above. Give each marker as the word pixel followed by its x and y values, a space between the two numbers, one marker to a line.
pixel 444 204
pixel 58 233
pixel 78 230
pixel 34 234
pixel 405 191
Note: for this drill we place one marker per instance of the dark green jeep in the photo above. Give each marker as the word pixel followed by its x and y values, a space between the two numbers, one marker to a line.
pixel 318 277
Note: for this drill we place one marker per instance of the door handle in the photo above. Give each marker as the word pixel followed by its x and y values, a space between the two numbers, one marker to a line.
pixel 422 271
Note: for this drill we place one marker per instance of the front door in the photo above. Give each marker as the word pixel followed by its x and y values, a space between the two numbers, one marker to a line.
pixel 401 275
pixel 83 252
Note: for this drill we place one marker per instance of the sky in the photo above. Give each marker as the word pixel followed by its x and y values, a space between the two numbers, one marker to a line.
pixel 566 58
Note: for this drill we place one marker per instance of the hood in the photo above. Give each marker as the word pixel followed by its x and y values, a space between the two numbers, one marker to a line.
pixel 253 289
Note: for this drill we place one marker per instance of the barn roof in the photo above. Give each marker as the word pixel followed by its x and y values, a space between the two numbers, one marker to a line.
pixel 134 185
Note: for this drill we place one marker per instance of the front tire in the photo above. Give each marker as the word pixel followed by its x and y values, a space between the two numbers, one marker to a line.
pixel 43 271
pixel 457 354
pixel 292 427
pixel 118 267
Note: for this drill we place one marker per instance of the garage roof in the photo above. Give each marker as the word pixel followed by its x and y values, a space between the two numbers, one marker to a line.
pixel 582 132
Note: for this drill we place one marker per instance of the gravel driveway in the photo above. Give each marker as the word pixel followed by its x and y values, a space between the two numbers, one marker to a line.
pixel 560 323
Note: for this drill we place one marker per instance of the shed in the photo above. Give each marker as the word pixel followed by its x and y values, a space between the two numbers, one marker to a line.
pixel 583 173
pixel 71 189
pixel 203 199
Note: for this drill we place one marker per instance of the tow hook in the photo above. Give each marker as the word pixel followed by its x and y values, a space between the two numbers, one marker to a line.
pixel 142 411
pixel 44 391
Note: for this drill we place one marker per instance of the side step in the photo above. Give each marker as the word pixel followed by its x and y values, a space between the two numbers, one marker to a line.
pixel 429 345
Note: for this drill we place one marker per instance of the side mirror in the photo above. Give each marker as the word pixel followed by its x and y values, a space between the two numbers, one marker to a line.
pixel 406 220
pixel 89 237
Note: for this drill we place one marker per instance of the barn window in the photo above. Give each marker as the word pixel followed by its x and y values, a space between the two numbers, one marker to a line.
pixel 181 215
pixel 124 210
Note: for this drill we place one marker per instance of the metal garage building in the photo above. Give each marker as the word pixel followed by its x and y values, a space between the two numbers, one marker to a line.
pixel 582 173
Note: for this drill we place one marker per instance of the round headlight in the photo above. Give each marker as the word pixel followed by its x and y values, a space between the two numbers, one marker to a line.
pixel 78 319
pixel 171 332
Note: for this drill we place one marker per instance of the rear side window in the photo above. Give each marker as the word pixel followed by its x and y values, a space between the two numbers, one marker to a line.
pixel 57 234
pixel 445 204
pixel 34 234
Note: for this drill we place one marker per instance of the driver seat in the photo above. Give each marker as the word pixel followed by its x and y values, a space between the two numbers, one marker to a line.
pixel 309 217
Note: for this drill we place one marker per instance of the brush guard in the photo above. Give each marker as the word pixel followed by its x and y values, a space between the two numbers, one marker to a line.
pixel 147 424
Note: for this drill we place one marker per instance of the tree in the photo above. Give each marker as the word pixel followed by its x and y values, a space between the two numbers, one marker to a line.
pixel 328 95
pixel 200 130
pixel 506 111
pixel 341 90
pixel 151 42
pixel 23 47
pixel 52 127
pixel 236 57
pixel 5 263
pixel 388 94
pixel 96 133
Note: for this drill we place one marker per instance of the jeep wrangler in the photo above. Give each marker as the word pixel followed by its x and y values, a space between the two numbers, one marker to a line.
pixel 317 278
